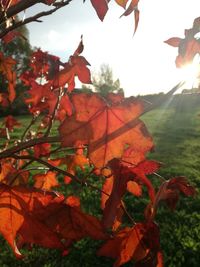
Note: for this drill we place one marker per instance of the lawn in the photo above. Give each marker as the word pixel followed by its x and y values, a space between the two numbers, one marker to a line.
pixel 175 127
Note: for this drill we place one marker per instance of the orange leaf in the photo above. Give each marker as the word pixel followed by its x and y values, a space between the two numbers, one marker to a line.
pixel 71 223
pixel 6 67
pixel 107 128
pixel 124 245
pixel 73 201
pixel 121 3
pixel 134 188
pixel 17 206
pixel 46 181
pixel 139 243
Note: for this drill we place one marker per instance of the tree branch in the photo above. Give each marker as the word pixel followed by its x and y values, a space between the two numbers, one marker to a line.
pixel 50 166
pixel 14 11
pixel 9 152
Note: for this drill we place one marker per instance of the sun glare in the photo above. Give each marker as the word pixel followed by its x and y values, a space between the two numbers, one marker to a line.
pixel 190 73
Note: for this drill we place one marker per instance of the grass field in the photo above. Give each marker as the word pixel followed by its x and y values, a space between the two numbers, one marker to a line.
pixel 175 127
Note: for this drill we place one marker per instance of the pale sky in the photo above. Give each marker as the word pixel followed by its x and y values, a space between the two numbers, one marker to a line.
pixel 144 64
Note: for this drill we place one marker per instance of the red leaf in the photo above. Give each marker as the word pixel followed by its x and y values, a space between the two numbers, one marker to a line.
pixel 10 122
pixel 6 67
pixel 169 191
pixel 137 17
pixel 65 108
pixel 17 206
pixel 106 128
pixel 42 150
pixel 132 244
pixel 131 8
pixel 45 181
pixel 101 8
pixel 73 201
pixel 12 35
pixel 80 48
pixel 174 41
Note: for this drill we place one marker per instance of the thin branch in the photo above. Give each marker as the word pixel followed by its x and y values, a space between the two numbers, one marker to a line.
pixel 9 152
pixel 50 166
pixel 34 118
pixel 30 19
pixel 61 93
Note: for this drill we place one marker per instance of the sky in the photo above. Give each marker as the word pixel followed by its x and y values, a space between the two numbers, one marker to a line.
pixel 143 63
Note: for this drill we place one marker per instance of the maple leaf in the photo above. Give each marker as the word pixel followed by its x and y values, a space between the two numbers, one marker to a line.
pixel 169 191
pixel 132 244
pixel 10 122
pixel 42 150
pixel 187 53
pixel 106 127
pixel 141 170
pixel 73 201
pixel 117 185
pixel 45 181
pixel 10 175
pixel 74 161
pixel 72 224
pixel 10 36
pixel 17 206
pixel 7 169
pixel 77 66
pixel 6 67
pixel 101 8
pixel 65 108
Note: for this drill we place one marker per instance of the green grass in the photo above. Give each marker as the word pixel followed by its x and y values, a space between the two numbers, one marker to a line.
pixel 175 128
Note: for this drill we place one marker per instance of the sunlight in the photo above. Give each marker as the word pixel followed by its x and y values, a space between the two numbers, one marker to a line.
pixel 190 73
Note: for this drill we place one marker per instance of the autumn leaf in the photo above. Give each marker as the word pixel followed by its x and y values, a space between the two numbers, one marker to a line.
pixel 16 217
pixel 107 128
pixel 71 223
pixel 134 188
pixel 170 190
pixel 77 66
pixel 187 53
pixel 74 161
pixel 132 244
pixel 114 188
pixel 73 201
pixel 132 6
pixel 139 243
pixel 42 150
pixel 6 170
pixel 122 3
pixel 10 122
pixel 101 8
pixel 45 181
pixel 65 108
pixel 6 67
pixel 174 41
pixel 80 48
pixel 125 178
pixel 10 36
